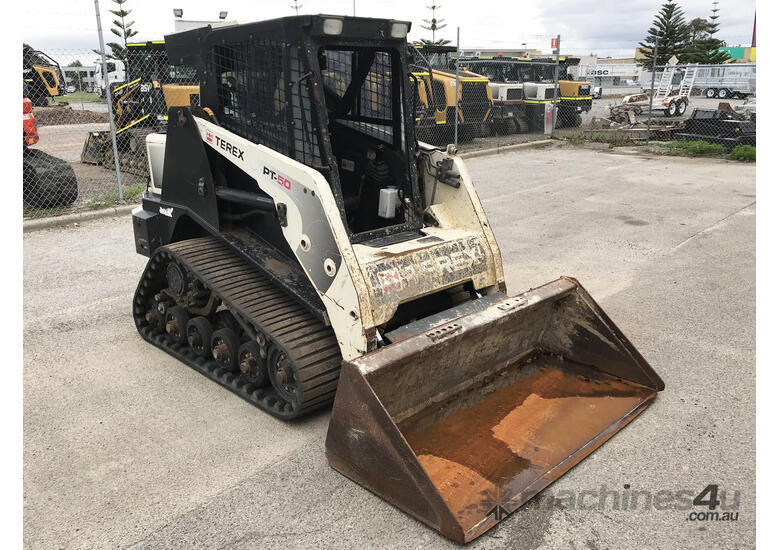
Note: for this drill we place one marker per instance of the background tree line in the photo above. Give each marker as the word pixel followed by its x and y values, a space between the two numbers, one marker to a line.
pixel 691 41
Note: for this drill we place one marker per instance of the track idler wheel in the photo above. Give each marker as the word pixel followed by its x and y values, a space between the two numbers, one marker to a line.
pixel 175 278
pixel 224 348
pixel 251 363
pixel 199 331
pixel 176 319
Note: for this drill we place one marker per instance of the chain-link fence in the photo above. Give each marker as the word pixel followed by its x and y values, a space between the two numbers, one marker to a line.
pixel 489 103
pixel 86 122
pixel 87 116
pixel 75 157
pixel 700 109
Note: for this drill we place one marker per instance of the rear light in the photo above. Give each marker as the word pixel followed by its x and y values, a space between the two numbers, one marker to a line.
pixel 333 26
pixel 399 29
pixel 26 106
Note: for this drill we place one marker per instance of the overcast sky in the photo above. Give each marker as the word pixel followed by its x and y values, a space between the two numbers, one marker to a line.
pixel 604 28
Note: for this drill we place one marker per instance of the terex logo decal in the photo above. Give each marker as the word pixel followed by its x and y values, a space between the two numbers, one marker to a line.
pixel 229 147
pixel 209 137
pixel 278 178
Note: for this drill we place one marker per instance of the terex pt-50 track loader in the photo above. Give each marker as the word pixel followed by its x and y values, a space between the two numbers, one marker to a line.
pixel 303 246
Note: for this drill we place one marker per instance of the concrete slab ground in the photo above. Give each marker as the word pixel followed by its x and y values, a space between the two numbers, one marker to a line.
pixel 125 447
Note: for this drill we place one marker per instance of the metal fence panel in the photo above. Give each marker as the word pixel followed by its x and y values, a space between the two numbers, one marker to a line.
pixel 68 154
pixel 467 104
pixel 678 113
pixel 475 103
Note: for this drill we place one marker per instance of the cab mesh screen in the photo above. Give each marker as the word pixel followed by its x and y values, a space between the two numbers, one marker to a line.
pixel 263 95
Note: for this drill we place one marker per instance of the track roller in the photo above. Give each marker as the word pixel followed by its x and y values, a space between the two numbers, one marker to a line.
pixel 251 363
pixel 225 319
pixel 224 348
pixel 199 331
pixel 282 374
pixel 176 319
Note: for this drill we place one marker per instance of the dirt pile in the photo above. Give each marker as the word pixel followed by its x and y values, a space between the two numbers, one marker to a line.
pixel 63 114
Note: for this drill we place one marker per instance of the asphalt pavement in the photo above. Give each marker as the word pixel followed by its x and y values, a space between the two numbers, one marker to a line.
pixel 126 447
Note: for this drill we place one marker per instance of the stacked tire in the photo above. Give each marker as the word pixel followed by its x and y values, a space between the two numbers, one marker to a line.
pixel 47 182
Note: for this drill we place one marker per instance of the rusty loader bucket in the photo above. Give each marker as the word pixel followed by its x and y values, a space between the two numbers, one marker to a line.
pixel 461 424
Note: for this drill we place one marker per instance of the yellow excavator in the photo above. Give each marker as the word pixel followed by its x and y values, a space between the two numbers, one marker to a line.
pixel 41 75
pixel 140 106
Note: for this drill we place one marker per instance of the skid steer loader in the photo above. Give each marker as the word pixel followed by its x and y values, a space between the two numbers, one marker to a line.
pixel 41 77
pixel 303 246
pixel 140 106
pixel 439 93
pixel 519 99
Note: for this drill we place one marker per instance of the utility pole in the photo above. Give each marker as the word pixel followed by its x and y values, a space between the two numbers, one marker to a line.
pixel 109 97
pixel 557 96
pixel 652 92
pixel 296 6
pixel 458 97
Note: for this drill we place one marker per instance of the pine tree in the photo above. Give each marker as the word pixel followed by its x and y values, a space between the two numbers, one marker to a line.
pixel 672 34
pixel 122 29
pixel 434 25
pixel 704 48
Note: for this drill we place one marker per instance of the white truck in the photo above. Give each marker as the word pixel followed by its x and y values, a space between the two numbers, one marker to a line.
pixel 115 73
pixel 724 81
pixel 731 80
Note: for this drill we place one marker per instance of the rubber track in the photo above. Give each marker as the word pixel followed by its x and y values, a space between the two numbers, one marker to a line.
pixel 306 340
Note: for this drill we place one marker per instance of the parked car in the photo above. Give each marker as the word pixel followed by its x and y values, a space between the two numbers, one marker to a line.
pixel 596 92
pixel 71 89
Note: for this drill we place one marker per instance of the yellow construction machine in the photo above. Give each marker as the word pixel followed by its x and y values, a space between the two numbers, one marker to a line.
pixel 439 91
pixel 140 106
pixel 41 75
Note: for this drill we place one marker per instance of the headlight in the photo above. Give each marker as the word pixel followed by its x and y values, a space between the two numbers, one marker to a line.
pixel 398 30
pixel 332 26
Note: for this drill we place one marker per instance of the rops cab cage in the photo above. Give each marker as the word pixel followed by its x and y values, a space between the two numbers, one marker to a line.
pixel 314 92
